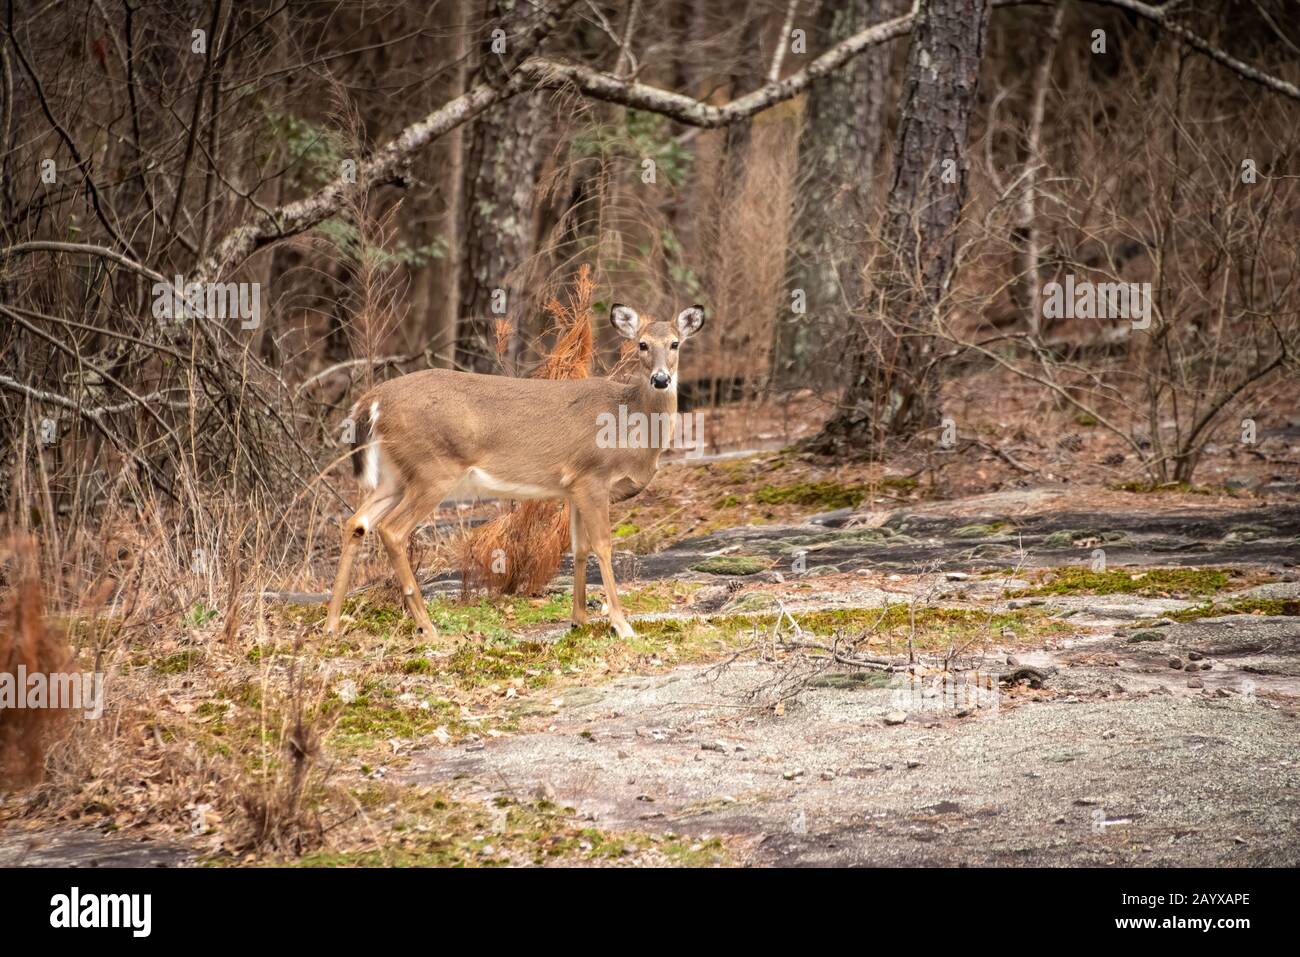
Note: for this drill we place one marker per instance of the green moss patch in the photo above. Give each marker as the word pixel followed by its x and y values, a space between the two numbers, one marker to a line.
pixel 378 714
pixel 1149 488
pixel 732 565
pixel 980 530
pixel 1153 583
pixel 178 663
pixel 825 495
pixel 931 628
pixel 1288 607
pixel 437 831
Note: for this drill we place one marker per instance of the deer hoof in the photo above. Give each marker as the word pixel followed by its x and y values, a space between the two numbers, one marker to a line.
pixel 623 629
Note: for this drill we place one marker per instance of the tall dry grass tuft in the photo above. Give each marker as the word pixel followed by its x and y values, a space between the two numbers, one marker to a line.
pixel 279 811
pixel 31 644
pixel 519 551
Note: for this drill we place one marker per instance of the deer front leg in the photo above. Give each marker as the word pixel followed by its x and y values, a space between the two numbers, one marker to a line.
pixel 406 581
pixel 579 543
pixel 375 507
pixel 353 534
pixel 395 531
pixel 593 515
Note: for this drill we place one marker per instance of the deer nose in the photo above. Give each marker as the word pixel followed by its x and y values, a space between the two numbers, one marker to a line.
pixel 660 380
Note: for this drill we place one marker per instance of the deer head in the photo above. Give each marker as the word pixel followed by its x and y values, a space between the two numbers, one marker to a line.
pixel 658 343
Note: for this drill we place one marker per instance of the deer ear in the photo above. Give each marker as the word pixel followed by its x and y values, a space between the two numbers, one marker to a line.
pixel 690 320
pixel 625 320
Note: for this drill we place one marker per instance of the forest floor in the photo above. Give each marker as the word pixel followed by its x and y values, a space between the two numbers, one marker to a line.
pixel 1165 729
pixel 1160 725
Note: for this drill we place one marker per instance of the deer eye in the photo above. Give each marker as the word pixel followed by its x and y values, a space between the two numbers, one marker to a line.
pixel 645 347
pixel 675 345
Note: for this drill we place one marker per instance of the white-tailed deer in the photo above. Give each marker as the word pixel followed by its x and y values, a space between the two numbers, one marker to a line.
pixel 423 437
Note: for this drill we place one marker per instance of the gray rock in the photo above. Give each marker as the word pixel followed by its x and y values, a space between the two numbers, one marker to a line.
pixel 835 519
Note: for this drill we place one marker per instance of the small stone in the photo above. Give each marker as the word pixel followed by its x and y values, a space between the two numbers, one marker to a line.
pixel 1192 666
pixel 828 775
pixel 1108 734
pixel 1206 666
pixel 1087 801
pixel 1060 820
pixel 1012 660
pixel 1195 683
pixel 1194 656
pixel 713 746
pixel 913 764
pixel 791 775
pixel 896 717
pixel 1176 663
pixel 956 576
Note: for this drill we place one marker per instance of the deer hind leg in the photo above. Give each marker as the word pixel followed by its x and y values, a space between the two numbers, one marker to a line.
pixel 395 531
pixel 593 516
pixel 577 538
pixel 378 504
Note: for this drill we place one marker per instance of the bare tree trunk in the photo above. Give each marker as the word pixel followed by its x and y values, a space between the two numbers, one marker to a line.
pixel 1028 285
pixel 500 181
pixel 893 388
pixel 844 124
pixel 437 289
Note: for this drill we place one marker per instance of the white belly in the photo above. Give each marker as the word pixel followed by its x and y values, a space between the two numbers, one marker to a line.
pixel 477 482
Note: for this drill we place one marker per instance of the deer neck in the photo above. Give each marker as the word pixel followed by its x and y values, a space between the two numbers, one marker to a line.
pixel 641 396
